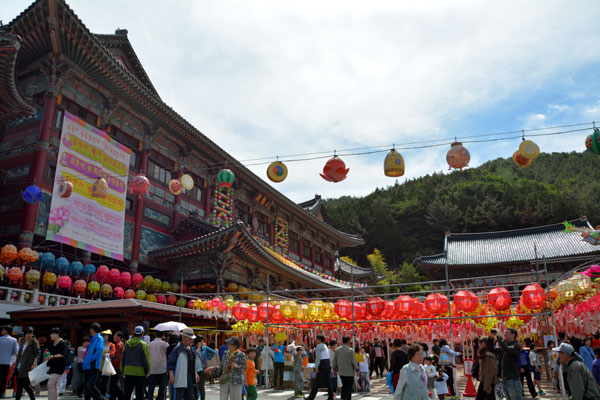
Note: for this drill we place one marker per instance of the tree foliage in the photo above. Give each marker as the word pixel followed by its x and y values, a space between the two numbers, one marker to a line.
pixel 410 219
pixel 406 274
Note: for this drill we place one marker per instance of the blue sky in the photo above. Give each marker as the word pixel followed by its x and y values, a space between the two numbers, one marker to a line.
pixel 267 78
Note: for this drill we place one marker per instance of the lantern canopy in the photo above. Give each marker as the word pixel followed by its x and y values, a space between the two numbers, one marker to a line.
pixel 458 157
pixel 393 164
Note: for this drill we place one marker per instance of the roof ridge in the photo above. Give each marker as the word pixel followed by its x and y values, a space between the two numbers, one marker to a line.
pixel 520 230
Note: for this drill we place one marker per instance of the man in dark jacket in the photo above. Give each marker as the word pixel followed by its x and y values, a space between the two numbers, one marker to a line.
pixel 135 364
pixel 581 381
pixel 180 364
pixel 398 360
pixel 511 376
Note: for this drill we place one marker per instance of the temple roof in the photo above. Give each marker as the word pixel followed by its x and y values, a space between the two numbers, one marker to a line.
pixel 314 206
pixel 512 246
pixel 350 269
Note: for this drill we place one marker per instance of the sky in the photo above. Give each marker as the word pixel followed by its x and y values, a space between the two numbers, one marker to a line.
pixel 272 78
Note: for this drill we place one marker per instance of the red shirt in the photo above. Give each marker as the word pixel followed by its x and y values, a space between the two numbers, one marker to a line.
pixel 116 360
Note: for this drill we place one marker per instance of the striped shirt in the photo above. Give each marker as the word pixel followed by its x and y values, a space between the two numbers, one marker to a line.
pixel 158 356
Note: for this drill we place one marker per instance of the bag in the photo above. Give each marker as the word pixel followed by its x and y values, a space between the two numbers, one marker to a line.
pixel 69 356
pixel 444 359
pixel 475 370
pixel 225 378
pixel 39 374
pixel 108 369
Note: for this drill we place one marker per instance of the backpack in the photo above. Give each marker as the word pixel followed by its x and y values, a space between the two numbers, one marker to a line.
pixel 69 357
pixel 475 370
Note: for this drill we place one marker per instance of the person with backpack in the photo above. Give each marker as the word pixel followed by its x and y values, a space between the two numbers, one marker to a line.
pixel 581 381
pixel 487 375
pixel 135 365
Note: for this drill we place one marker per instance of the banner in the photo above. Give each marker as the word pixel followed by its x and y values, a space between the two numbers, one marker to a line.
pixel 80 220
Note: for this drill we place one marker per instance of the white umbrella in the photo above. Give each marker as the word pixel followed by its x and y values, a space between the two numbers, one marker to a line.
pixel 170 326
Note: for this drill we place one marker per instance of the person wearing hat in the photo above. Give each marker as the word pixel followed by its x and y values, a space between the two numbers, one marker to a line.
pixel 181 367
pixel 135 364
pixel 108 352
pixel 232 370
pixel 581 381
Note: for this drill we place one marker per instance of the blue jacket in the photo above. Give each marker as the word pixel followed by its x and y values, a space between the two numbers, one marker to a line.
pixel 596 370
pixel 279 353
pixel 588 356
pixel 93 353
pixel 207 354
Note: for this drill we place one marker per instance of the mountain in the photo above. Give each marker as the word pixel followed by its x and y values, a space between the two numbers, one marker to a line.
pixel 411 218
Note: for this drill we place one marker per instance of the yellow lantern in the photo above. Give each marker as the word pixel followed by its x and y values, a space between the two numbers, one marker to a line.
pixel 229 302
pixel 581 282
pixel 288 309
pixel 529 149
pixel 232 287
pixel 243 292
pixel 329 312
pixel 302 313
pixel 393 165
pixel 100 188
pixel 315 309
pixel 565 289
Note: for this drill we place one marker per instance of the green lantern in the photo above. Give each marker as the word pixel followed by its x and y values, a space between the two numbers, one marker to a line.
pixel 592 142
pixel 225 178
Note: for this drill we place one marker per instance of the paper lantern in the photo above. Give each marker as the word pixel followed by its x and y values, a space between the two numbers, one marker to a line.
pixel 129 294
pixel 466 301
pixel 175 186
pixel 79 286
pixel 139 185
pixel 520 160
pixel 240 311
pixel 9 253
pixel 49 279
pixel 436 303
pixel 89 270
pixel 64 282
pixel 157 285
pixel 335 170
pixel 62 265
pixel 592 142
pixel 458 157
pixel 64 188
pixel 187 181
pixel 289 309
pixel 93 287
pixel 393 165
pixel 253 314
pixel 232 287
pixel 33 276
pixel 343 308
pixel 32 194
pixel 33 256
pixel 151 298
pixel 175 287
pixel 166 286
pixel 181 302
pixel 15 274
pixel 225 178
pixel 148 281
pixel 171 300
pixel 262 311
pixel 533 296
pixel 140 295
pixel 581 282
pixel 403 305
pixel 47 260
pixel 114 276
pixel 565 289
pixel 118 292
pixel 277 172
pixel 161 299
pixel 102 273
pixel 25 254
pixel 100 188
pixel 106 289
pixel 125 279
pixel 529 149
pixel 76 268
pixel 315 309
pixel 137 279
pixel 499 299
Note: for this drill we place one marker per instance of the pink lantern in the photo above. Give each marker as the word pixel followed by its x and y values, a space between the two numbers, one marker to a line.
pixel 139 185
pixel 137 279
pixel 160 298
pixel 190 304
pixel 114 276
pixel 118 292
pixel 125 279
pixel 64 282
pixel 101 272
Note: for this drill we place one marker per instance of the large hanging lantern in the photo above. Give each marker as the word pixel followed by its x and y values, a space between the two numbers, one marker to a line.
pixel 565 289
pixel 592 142
pixel 393 165
pixel 436 303
pixel 76 268
pixel 240 311
pixel 376 306
pixel 101 272
pixel 47 260
pixel 253 314
pixel 458 157
pixel 466 300
pixel 125 279
pixel 335 170
pixel 315 309
pixel 79 287
pixel 32 194
pixel 118 292
pixel 343 309
pixel 403 305
pixel 33 276
pixel 64 282
pixel 62 265
pixel 499 299
pixel 139 185
pixel 100 188
pixel 140 295
pixel 533 296
pixel 582 282
pixel 529 149
pixel 9 253
pixel 302 313
pixel 520 160
pixel 64 188
pixel 114 276
pixel 187 181
pixel 175 186
pixel 277 171
pixel 225 178
pixel 93 287
pixel 15 274
pixel 49 279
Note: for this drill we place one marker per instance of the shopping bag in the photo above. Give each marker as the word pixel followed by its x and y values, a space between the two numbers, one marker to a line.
pixel 108 369
pixel 39 374
pixel 444 359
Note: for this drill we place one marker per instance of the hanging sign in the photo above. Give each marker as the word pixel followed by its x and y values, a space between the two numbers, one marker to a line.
pixel 263 200
pixel 83 220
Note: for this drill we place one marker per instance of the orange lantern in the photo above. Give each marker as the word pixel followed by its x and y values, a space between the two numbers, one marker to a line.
pixel 436 303
pixel 171 300
pixel 458 157
pixel 14 274
pixel 79 286
pixel 335 170
pixel 130 294
pixel 403 305
pixel 520 160
pixel 9 253
pixel 253 314
pixel 25 254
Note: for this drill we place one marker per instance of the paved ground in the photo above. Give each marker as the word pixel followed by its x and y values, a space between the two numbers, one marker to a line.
pixel 379 391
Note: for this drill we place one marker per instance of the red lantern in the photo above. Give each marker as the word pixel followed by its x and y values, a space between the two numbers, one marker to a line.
pixel 359 311
pixel 118 292
pixel 161 299
pixel 79 286
pixel 129 294
pixel 14 274
pixel 499 299
pixel 335 170
pixel 436 303
pixel 403 305
pixel 139 185
pixel 102 272
pixel 533 296
pixel 262 311
pixel 114 276
pixel 458 156
pixel 64 282
pixel 215 303
pixel 375 306
pixel 125 279
pixel 343 309
pixel 253 314
pixel 240 311
pixel 520 160
pixel 466 301
pixel 137 279
pixel 171 300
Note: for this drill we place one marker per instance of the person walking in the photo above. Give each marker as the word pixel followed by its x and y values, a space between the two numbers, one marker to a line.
pixel 536 367
pixel 298 355
pixel 323 367
pixel 8 349
pixel 108 352
pixel 447 356
pixel 203 355
pixel 266 365
pixel 279 362
pixel 116 381
pixel 251 374
pixel 581 381
pixel 525 370
pixel 180 365
pixel 27 356
pixel 135 364
pixel 77 383
pixel 344 363
pixel 431 375
pixel 488 369
pixel 412 383
pixel 157 349
pixel 587 353
pixel 91 363
pixel 378 358
pixel 511 378
pixel 363 369
pixel 259 351
pixel 56 362
pixel 233 365
pixel 398 360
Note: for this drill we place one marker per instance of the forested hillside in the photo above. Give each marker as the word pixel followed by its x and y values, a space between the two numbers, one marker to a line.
pixel 410 218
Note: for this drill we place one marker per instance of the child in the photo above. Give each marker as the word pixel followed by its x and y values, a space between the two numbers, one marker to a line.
pixel 363 369
pixel 431 375
pixel 251 374
pixel 536 366
pixel 441 387
pixel 299 355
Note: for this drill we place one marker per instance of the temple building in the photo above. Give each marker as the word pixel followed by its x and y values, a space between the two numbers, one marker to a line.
pixel 509 252
pixel 223 233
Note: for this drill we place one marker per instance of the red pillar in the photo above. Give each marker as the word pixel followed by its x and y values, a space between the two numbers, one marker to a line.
pixel 139 212
pixel 37 169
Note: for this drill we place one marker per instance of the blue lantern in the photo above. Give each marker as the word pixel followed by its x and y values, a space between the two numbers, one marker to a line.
pixel 75 268
pixel 32 194
pixel 89 269
pixel 47 260
pixel 62 265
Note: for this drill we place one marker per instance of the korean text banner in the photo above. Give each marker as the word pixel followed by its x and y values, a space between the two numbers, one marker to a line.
pixel 80 220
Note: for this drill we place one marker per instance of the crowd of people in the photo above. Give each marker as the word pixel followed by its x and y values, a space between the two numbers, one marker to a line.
pixel 179 365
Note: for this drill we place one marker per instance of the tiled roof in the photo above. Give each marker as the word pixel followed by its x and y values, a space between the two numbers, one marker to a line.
pixel 519 245
pixel 352 269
